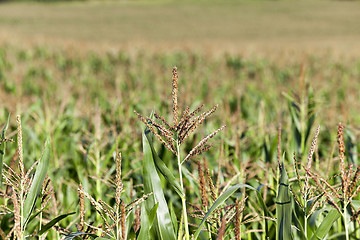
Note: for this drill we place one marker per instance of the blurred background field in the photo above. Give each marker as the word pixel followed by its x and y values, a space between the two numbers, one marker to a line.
pixel 76 71
pixel 215 25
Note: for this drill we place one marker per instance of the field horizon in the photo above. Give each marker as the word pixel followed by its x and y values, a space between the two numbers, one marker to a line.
pixel 240 27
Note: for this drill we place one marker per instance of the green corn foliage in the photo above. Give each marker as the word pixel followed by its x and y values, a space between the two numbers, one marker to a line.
pixel 160 165
pixel 2 151
pixel 78 234
pixel 163 223
pixel 53 222
pixel 283 208
pixel 222 198
pixel 326 224
pixel 147 221
pixel 303 118
pixel 36 185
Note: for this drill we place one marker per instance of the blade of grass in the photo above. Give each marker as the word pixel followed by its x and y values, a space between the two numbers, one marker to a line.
pixel 53 222
pixel 152 183
pixel 76 234
pixel 37 182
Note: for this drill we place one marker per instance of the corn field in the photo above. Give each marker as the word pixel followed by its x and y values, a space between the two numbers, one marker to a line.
pixel 178 145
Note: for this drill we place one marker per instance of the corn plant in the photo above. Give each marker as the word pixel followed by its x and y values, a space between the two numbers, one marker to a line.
pixel 172 136
pixel 24 189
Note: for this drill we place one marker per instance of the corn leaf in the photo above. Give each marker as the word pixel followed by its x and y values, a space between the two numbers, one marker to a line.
pixel 326 224
pixel 173 217
pixel 76 234
pixel 163 224
pixel 53 222
pixel 147 221
pixel 37 182
pixel 222 198
pixel 2 150
pixel 160 165
pixel 283 208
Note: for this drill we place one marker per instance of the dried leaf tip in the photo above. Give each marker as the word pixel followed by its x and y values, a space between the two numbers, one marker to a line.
pixel 174 94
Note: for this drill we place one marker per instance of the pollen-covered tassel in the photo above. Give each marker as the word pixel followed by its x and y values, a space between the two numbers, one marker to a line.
pixel 148 122
pixel 202 143
pixel 210 181
pixel 340 140
pixel 222 229
pixel 202 187
pixel 122 221
pixel 184 116
pixel 20 147
pixel 175 95
pixel 157 116
pixel 194 123
pixel 17 215
pixel 309 160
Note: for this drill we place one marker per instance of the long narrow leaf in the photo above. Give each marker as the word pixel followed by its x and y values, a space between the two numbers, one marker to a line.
pixel 283 208
pixel 152 183
pixel 145 224
pixel 160 165
pixel 2 150
pixel 53 222
pixel 152 214
pixel 76 234
pixel 37 182
pixel 222 198
pixel 173 217
pixel 326 224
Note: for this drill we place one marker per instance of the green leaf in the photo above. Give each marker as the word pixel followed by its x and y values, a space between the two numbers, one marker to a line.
pixel 37 182
pixel 173 217
pixel 53 222
pixel 152 183
pixel 76 234
pixel 35 215
pixel 283 208
pixel 152 214
pixel 160 165
pixel 2 151
pixel 129 222
pixel 222 198
pixel 145 224
pixel 326 224
pixel 294 115
pixel 355 204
